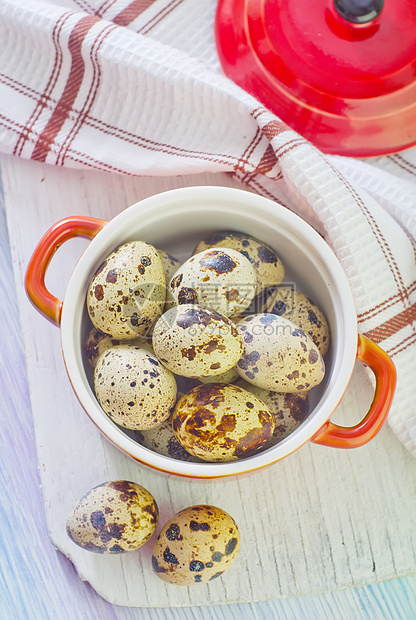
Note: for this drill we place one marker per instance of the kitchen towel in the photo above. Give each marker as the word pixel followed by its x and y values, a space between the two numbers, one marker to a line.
pixel 135 87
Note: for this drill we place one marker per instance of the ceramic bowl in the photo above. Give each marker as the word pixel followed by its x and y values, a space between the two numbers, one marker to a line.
pixel 175 221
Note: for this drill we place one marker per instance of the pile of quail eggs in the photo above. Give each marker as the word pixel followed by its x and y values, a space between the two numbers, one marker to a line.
pixel 210 360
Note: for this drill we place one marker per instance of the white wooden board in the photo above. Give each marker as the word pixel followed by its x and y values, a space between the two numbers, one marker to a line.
pixel 319 520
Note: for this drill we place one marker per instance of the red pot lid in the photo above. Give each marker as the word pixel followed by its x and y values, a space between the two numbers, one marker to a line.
pixel 342 73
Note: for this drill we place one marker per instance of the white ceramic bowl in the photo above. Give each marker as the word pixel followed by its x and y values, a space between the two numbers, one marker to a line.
pixel 175 221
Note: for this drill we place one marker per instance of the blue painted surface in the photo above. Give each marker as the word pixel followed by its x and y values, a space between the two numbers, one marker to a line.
pixel 38 582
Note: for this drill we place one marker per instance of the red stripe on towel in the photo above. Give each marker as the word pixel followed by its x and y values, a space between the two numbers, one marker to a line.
pixel 393 325
pixel 71 89
pixel 133 10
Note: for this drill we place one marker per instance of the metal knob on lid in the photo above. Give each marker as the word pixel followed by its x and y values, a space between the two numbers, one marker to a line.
pixel 359 11
pixel 342 73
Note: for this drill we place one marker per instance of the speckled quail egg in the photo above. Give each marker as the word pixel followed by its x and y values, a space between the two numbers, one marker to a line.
pixel 288 410
pixel 185 384
pixel 219 278
pixel 267 265
pixel 162 440
pixel 278 355
pixel 219 422
pixel 302 311
pixel 135 390
pixel 170 266
pixel 114 517
pixel 170 263
pixel 127 292
pixel 225 377
pixel 197 545
pixel 96 343
pixel 195 341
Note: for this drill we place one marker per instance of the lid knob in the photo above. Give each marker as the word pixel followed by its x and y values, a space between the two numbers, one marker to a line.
pixel 359 11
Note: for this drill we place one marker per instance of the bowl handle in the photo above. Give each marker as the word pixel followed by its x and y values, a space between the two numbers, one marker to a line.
pixel 384 370
pixel 41 298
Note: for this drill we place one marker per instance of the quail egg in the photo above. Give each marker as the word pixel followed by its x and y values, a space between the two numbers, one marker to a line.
pixel 288 410
pixel 114 517
pixel 127 292
pixel 196 546
pixel 134 389
pixel 170 264
pixel 225 377
pixel 302 311
pixel 218 422
pixel 196 341
pixel 267 265
pixel 278 355
pixel 96 343
pixel 219 278
pixel 162 440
